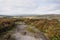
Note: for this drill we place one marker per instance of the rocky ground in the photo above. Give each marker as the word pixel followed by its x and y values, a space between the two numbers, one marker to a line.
pixel 21 33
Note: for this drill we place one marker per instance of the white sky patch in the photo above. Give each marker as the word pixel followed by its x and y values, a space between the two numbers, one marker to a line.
pixel 18 7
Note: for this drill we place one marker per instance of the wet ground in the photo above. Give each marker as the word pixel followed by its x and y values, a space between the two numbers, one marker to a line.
pixel 20 33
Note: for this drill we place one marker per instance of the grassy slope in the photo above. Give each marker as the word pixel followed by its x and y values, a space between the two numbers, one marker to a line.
pixel 51 28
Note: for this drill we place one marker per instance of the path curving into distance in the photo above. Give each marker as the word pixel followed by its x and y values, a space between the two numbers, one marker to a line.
pixel 20 33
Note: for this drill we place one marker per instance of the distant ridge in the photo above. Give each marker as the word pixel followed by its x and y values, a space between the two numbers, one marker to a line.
pixel 33 15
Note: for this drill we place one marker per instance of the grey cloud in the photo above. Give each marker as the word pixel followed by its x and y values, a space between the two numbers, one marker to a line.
pixel 13 7
pixel 57 1
pixel 54 1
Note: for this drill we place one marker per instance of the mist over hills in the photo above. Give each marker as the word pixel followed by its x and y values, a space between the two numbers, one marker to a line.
pixel 45 15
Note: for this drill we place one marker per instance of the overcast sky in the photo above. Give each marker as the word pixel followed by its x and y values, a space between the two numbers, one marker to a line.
pixel 24 7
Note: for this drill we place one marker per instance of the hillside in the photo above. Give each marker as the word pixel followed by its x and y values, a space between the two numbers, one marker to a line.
pixel 48 24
